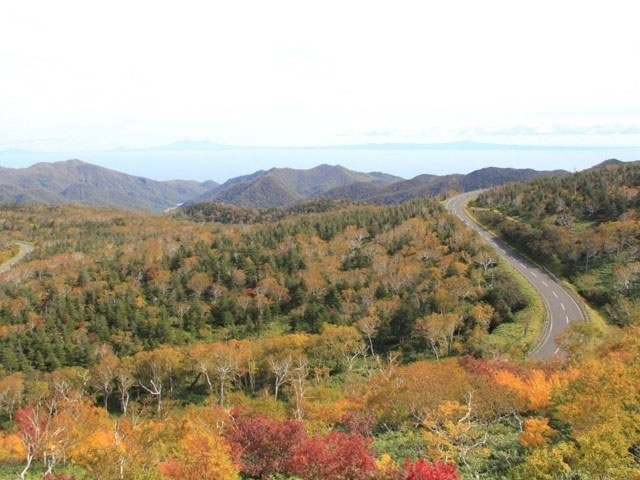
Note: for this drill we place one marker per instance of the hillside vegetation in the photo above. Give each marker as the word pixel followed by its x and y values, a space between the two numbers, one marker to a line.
pixel 410 276
pixel 357 343
pixel 584 226
pixel 321 406
pixel 8 251
pixel 226 213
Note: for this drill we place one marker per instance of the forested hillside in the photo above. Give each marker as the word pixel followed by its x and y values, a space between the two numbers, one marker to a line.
pixel 584 226
pixel 359 343
pixel 135 282
pixel 227 213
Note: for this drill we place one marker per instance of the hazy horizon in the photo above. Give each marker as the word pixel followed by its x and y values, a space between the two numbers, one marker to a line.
pixel 291 84
pixel 80 78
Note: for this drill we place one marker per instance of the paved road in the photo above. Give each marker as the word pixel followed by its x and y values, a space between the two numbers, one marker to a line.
pixel 25 248
pixel 561 306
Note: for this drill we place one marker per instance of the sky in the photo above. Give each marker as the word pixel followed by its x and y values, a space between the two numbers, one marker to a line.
pixel 80 76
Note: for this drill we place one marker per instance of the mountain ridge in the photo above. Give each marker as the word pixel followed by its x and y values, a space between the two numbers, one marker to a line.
pixel 431 185
pixel 75 181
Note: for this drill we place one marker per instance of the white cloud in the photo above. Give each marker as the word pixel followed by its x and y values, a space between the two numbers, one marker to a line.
pixel 102 74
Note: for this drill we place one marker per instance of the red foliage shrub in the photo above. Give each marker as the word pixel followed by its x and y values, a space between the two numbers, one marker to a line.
pixel 337 456
pixel 484 367
pixel 170 469
pixel 265 444
pixel 423 470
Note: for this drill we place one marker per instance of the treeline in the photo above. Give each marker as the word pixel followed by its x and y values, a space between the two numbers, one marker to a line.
pixel 226 213
pixel 331 418
pixel 584 226
pixel 410 277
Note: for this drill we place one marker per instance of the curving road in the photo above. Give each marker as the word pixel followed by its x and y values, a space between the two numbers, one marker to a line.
pixel 25 248
pixel 561 307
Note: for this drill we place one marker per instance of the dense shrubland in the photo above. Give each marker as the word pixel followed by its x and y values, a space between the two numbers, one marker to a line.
pixel 212 411
pixel 584 226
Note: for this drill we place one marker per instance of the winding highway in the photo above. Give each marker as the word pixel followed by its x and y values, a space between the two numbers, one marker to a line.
pixel 561 307
pixel 25 248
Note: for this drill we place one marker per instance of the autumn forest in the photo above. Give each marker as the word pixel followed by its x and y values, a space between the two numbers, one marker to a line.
pixel 329 340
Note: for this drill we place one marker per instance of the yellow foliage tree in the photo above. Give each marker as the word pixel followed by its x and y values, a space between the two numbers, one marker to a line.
pixel 535 389
pixel 11 448
pixel 536 432
pixel 201 454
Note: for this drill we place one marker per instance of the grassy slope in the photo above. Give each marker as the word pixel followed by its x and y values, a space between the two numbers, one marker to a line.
pixel 517 338
pixel 596 317
pixel 10 471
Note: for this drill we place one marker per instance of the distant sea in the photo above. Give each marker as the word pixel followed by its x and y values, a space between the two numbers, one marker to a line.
pixel 407 161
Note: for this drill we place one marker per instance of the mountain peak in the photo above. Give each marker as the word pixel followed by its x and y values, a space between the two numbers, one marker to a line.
pixel 612 162
pixel 288 185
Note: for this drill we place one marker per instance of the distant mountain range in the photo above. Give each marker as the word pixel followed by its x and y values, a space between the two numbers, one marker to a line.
pixel 75 181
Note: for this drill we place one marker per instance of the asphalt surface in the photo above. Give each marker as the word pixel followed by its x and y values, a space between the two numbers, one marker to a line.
pixel 25 248
pixel 561 307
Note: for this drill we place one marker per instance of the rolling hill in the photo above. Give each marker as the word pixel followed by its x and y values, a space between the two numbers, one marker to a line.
pixel 279 187
pixel 74 181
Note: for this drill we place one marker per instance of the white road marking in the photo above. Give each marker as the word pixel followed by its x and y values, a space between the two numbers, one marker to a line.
pixel 574 302
pixel 506 251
